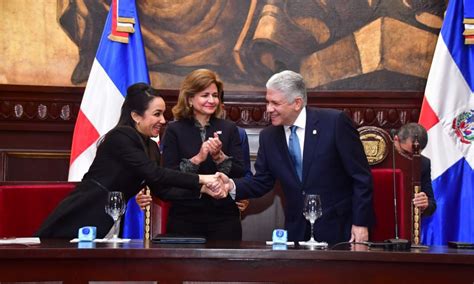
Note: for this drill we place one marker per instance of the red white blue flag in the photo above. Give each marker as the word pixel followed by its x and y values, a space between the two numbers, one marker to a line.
pixel 448 115
pixel 120 62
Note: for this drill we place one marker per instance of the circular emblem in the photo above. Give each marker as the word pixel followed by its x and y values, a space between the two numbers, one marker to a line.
pixel 463 126
pixel 280 233
pixel 374 148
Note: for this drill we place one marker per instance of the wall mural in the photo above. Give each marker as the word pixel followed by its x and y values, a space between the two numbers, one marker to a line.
pixel 335 44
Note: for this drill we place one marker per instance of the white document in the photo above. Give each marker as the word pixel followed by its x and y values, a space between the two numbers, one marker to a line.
pixel 76 240
pixel 20 241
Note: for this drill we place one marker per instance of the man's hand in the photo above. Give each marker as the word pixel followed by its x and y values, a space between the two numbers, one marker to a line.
pixel 142 199
pixel 225 180
pixel 421 201
pixel 216 185
pixel 359 234
pixel 242 204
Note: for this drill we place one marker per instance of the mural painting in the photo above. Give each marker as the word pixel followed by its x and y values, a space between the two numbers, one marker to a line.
pixel 335 44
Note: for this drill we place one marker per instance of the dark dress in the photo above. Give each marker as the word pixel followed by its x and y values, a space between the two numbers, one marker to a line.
pixel 126 162
pixel 213 219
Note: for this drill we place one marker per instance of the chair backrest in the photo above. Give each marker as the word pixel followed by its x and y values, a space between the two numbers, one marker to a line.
pixel 24 205
pixel 384 205
pixel 388 166
pixel 158 217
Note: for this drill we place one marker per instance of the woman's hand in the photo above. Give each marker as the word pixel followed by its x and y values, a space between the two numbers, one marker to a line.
pixel 217 193
pixel 215 149
pixel 202 155
pixel 143 200
pixel 207 179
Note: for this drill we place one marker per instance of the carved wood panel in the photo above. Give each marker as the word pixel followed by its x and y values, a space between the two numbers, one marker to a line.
pixel 42 118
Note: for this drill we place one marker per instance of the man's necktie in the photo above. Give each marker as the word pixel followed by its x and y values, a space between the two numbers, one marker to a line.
pixel 295 151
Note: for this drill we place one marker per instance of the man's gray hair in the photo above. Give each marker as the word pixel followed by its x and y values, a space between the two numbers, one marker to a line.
pixel 411 130
pixel 290 83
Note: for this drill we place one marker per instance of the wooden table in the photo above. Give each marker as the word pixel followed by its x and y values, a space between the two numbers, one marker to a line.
pixel 59 260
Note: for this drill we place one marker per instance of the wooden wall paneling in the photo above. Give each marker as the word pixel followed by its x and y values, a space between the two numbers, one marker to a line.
pixel 2 166
pixel 41 108
pixel 34 165
pixel 36 126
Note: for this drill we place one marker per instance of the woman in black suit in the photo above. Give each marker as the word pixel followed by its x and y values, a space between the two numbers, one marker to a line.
pixel 199 141
pixel 126 160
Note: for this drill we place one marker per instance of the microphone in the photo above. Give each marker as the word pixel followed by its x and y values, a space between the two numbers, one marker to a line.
pixel 395 244
pixel 393 132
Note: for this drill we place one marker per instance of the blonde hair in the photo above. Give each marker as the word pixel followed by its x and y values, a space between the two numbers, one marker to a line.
pixel 195 82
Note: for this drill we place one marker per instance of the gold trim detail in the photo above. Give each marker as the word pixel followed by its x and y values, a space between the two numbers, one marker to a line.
pixel 126 20
pixel 416 219
pixel 147 234
pixel 468 32
pixel 125 29
pixel 118 38
pixel 468 21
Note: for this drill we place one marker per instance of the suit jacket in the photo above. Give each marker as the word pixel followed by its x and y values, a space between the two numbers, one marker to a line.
pixel 334 166
pixel 426 186
pixel 245 151
pixel 126 162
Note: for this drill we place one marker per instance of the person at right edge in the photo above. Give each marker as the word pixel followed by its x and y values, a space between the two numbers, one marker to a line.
pixel 332 164
pixel 403 141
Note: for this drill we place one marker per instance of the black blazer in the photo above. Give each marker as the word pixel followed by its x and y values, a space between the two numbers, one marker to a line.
pixel 334 166
pixel 122 163
pixel 182 140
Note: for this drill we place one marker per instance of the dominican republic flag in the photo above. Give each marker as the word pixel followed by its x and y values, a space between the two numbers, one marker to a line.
pixel 448 115
pixel 120 62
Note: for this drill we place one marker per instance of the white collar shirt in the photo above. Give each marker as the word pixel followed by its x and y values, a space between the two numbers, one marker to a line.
pixel 300 122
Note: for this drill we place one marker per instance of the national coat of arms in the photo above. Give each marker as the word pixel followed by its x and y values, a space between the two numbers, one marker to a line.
pixel 463 126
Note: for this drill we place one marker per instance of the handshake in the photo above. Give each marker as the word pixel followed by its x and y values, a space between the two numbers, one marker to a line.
pixel 217 185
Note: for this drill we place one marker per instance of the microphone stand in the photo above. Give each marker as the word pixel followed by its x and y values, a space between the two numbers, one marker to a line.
pixel 396 244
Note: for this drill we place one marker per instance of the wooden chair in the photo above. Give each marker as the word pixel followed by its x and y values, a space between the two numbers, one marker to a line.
pixel 392 170
pixel 156 216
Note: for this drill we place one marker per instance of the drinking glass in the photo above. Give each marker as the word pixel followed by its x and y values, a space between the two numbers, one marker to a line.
pixel 312 210
pixel 115 207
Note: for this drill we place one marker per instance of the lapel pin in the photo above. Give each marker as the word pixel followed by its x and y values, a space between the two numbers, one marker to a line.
pixel 315 132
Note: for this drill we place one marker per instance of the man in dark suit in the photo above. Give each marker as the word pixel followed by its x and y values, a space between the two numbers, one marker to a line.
pixel 403 142
pixel 325 157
